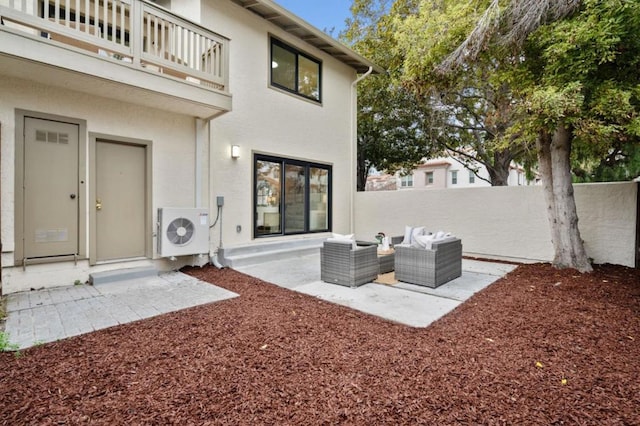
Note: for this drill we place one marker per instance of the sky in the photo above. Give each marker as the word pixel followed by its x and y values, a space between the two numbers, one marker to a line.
pixel 323 14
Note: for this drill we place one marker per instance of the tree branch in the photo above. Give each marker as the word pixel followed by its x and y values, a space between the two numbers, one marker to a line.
pixel 475 129
pixel 464 154
pixel 473 45
pixel 475 171
pixel 520 18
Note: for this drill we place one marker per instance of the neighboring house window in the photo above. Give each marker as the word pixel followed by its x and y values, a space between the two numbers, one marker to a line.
pixel 291 196
pixel 429 178
pixel 295 72
pixel 454 177
pixel 406 181
pixel 472 177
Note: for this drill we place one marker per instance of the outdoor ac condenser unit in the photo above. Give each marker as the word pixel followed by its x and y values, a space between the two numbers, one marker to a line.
pixel 183 231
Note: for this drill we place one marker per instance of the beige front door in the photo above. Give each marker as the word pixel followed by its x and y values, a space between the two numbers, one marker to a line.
pixel 50 188
pixel 120 200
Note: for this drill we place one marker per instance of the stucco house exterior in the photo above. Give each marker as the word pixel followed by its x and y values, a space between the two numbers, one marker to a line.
pixel 442 173
pixel 446 172
pixel 112 110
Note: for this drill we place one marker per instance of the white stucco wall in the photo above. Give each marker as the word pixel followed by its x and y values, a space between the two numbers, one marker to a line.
pixel 264 120
pixel 189 9
pixel 507 222
pixel 269 121
pixel 172 137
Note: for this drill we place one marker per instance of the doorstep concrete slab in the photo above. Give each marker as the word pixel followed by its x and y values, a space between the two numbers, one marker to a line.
pixel 106 277
pixel 408 304
pixel 48 315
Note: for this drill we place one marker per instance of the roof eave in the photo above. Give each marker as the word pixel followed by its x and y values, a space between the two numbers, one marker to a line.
pixel 300 28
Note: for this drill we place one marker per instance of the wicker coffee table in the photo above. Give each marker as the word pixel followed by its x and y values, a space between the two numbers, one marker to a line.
pixel 386 260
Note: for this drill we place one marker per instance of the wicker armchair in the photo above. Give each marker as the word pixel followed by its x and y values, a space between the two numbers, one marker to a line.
pixel 342 264
pixel 429 267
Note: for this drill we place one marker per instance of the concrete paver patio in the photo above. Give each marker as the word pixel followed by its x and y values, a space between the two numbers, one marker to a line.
pixel 48 315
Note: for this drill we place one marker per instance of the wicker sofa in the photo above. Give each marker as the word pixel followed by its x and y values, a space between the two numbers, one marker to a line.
pixel 342 264
pixel 429 267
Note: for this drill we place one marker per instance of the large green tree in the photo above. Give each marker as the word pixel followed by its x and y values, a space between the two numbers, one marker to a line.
pixel 402 120
pixel 393 130
pixel 572 67
pixel 474 103
pixel 622 163
pixel 393 125
pixel 582 95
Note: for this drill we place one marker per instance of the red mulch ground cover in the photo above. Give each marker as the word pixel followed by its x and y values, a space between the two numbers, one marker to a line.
pixel 540 346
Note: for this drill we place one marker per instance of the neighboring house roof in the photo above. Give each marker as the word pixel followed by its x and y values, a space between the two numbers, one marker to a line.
pixel 434 163
pixel 382 182
pixel 300 28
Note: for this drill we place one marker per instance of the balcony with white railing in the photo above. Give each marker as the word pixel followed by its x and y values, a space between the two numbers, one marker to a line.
pixel 129 42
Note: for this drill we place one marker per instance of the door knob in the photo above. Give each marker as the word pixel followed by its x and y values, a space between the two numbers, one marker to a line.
pixel 73 196
pixel 98 204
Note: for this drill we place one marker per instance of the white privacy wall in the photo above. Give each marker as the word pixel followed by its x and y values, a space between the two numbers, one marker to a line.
pixel 507 222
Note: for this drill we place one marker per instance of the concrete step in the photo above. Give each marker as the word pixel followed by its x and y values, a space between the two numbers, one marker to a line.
pixel 253 254
pixel 106 277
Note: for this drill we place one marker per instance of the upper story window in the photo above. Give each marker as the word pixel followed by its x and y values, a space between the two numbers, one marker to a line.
pixel 454 177
pixel 472 177
pixel 295 72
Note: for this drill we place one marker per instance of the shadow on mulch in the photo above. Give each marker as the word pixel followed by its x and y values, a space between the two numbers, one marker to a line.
pixel 540 346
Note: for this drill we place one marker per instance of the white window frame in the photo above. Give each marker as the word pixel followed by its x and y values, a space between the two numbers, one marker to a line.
pixel 406 181
pixel 428 178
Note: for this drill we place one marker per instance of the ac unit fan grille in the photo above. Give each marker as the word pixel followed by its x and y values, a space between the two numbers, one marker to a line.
pixel 180 231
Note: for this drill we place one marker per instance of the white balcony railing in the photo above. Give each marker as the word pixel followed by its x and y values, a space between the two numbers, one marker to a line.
pixel 135 32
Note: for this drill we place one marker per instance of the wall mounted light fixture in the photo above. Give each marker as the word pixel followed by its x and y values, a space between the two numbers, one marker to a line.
pixel 235 151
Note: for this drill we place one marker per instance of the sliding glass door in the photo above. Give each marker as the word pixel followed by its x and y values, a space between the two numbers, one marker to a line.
pixel 291 196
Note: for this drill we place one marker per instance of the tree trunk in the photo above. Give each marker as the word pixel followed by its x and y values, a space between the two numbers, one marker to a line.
pixel 554 152
pixel 362 172
pixel 498 177
pixel 499 170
